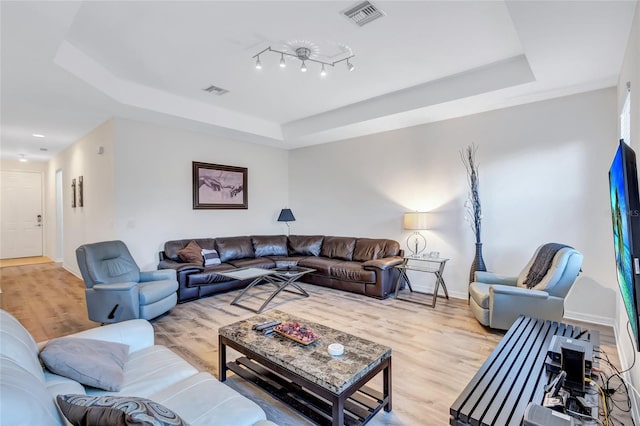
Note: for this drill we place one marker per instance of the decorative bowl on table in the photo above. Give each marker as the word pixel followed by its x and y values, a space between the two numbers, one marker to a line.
pixel 296 332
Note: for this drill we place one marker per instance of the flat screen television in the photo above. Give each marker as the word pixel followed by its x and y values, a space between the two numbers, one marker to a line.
pixel 625 214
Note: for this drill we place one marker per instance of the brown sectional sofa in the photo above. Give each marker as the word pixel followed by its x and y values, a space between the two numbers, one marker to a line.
pixel 360 265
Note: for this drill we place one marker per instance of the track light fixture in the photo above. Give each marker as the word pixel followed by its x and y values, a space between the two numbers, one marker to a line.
pixel 350 66
pixel 303 54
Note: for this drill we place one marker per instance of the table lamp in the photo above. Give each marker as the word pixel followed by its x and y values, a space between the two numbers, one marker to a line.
pixel 286 215
pixel 416 221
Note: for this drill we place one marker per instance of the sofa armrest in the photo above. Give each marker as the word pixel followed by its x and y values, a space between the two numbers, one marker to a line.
pixel 491 278
pixel 517 292
pixel 160 275
pixel 507 303
pixel 115 286
pixel 178 266
pixel 383 263
pixel 137 333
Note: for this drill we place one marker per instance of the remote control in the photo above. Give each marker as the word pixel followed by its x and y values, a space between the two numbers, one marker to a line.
pixel 255 326
pixel 268 331
pixel 266 325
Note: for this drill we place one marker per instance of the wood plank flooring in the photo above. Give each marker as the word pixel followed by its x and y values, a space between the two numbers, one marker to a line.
pixel 435 351
pixel 24 261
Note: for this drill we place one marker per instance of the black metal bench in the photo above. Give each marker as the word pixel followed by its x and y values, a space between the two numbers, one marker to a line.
pixel 512 376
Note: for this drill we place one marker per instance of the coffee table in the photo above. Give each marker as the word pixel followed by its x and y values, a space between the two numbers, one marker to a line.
pixel 327 389
pixel 281 278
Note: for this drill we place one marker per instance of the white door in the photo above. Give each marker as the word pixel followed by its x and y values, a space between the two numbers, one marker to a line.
pixel 20 214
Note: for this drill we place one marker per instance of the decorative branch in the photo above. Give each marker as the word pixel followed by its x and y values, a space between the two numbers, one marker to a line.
pixel 473 209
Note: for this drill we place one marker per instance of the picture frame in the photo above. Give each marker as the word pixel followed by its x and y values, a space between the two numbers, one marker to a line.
pixel 216 186
pixel 80 195
pixel 73 193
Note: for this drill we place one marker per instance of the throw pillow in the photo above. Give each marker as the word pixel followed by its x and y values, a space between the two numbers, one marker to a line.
pixel 211 257
pixel 107 410
pixel 95 363
pixel 191 253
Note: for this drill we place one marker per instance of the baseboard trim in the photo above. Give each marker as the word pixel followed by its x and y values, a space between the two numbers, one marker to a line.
pixel 71 272
pixel 635 404
pixel 593 319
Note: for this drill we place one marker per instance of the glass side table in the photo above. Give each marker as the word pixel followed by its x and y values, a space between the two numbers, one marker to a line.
pixel 430 265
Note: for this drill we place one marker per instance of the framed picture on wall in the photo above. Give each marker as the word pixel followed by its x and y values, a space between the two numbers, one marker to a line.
pixel 80 195
pixel 73 193
pixel 219 187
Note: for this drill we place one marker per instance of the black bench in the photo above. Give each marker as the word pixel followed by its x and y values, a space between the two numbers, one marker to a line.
pixel 512 376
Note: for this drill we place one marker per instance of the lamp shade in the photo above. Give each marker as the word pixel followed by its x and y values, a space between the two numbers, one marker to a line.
pixel 415 220
pixel 286 215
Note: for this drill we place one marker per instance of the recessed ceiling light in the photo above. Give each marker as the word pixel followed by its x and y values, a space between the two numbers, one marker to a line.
pixel 37 135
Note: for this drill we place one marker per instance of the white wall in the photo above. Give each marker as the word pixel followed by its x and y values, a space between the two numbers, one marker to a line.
pixel 94 221
pixel 28 166
pixel 630 72
pixel 543 177
pixel 153 187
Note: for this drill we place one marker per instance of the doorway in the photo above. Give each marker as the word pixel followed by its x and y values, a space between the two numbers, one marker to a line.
pixel 21 218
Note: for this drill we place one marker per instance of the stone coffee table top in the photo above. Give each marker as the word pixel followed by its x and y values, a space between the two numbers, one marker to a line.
pixel 312 362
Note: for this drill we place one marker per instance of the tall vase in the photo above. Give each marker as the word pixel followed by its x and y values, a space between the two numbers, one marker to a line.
pixel 478 263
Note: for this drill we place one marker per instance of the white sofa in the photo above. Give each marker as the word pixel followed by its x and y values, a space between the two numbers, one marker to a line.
pixel 28 391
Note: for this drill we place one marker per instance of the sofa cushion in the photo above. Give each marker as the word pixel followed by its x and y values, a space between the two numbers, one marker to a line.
pixel 352 271
pixel 16 343
pixel 261 262
pixel 201 400
pixel 232 248
pixel 338 247
pixel 111 410
pixel 211 257
pixel 305 245
pixel 368 249
pixel 285 261
pixel 210 275
pixel 25 399
pixel 321 264
pixel 171 248
pixel 391 248
pixel 149 370
pixel 95 363
pixel 269 245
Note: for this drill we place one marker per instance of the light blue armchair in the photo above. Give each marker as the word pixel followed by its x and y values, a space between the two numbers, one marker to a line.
pixel 497 301
pixel 116 288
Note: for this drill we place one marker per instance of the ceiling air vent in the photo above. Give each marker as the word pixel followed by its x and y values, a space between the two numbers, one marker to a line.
pixel 215 90
pixel 363 13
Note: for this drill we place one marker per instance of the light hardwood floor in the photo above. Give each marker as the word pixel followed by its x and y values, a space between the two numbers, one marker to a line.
pixel 435 351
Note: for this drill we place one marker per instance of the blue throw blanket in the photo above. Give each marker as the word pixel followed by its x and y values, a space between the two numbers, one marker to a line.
pixel 542 263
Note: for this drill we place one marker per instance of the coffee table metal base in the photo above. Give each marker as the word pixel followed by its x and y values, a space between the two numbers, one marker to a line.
pixel 354 406
pixel 281 280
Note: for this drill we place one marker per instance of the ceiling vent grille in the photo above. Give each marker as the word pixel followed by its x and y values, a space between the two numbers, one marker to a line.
pixel 215 90
pixel 363 13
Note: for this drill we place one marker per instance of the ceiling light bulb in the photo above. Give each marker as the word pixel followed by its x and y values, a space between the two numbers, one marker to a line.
pixel 350 66
pixel 22 159
pixel 258 63
pixel 282 62
pixel 323 73
pixel 37 135
pixel 303 68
